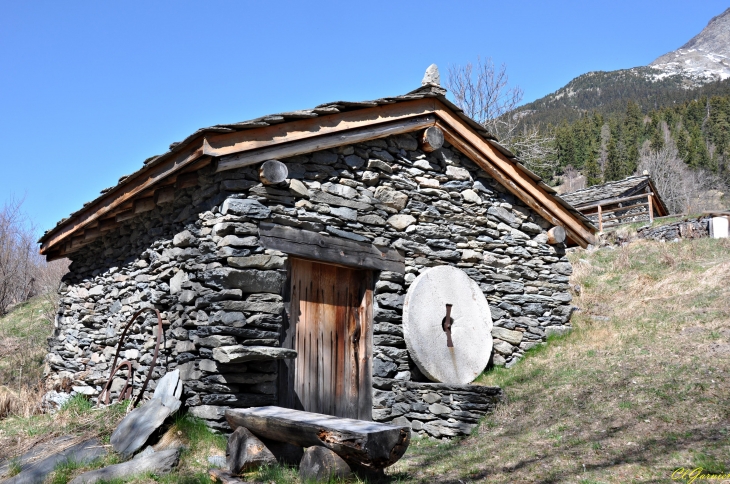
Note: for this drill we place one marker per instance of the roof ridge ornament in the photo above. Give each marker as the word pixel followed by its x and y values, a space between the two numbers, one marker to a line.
pixel 432 76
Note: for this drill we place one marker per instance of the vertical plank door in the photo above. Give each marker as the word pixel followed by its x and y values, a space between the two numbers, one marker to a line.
pixel 331 310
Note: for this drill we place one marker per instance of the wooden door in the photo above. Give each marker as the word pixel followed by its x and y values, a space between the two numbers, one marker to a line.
pixel 331 318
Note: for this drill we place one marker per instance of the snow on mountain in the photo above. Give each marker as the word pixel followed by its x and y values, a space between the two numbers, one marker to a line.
pixel 705 58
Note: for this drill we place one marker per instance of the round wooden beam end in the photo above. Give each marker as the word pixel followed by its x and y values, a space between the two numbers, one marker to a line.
pixel 432 139
pixel 556 235
pixel 273 172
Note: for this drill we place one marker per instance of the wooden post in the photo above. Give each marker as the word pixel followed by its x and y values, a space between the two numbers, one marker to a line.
pixel 600 219
pixel 432 139
pixel 651 209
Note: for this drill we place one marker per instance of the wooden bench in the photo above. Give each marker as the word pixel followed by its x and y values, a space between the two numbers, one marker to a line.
pixel 369 444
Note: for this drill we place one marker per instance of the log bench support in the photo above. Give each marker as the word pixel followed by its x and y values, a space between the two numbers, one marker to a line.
pixel 371 445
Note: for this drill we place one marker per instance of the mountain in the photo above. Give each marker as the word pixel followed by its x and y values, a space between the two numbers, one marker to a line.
pixel 705 57
pixel 700 67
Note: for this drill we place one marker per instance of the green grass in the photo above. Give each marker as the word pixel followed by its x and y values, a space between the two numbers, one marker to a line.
pixel 627 399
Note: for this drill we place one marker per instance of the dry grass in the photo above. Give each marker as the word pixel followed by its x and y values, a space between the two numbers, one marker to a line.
pixel 638 389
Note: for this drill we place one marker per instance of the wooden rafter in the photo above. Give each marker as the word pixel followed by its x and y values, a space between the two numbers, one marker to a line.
pixel 250 146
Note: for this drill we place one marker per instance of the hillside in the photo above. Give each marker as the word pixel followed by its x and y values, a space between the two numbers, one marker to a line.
pixel 698 68
pixel 636 391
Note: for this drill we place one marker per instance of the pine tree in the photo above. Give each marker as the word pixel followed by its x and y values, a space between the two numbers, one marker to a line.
pixel 592 172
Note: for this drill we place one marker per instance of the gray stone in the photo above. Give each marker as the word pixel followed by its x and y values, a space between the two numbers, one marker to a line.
pixel 245 207
pixel 401 221
pixel 242 354
pixel 320 464
pixel 158 463
pixel 134 430
pixel 354 161
pixel 247 280
pixel 236 241
pixel 391 198
pixel 184 239
pixel 33 471
pixel 298 188
pixel 503 347
pixel 344 213
pixel 502 214
pixel 370 178
pixel 258 261
pixel 237 185
pixel 169 386
pixel 510 287
pixel 208 412
pixel 177 281
pixel 438 409
pixel 514 337
pixel 457 173
pixel 423 311
pixel 245 452
pixel 340 190
pixel 371 219
pixel 471 197
pixel 379 165
pixel 324 158
pixel 431 76
pixel 530 228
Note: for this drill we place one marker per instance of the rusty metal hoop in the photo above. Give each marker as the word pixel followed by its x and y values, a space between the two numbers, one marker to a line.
pixel 153 363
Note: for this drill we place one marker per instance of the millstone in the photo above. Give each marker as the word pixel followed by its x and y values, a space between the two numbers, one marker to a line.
pixel 424 310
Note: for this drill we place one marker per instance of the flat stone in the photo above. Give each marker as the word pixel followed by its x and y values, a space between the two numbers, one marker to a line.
pixel 502 214
pixel 423 311
pixel 471 196
pixel 134 430
pixel 33 471
pixel 344 213
pixel 401 221
pixel 242 354
pixel 427 182
pixel 371 219
pixel 391 198
pixel 379 165
pixel 247 280
pixel 245 207
pixel 340 190
pixel 236 241
pixel 298 188
pixel 457 173
pixel 158 463
pixel 514 337
pixel 258 261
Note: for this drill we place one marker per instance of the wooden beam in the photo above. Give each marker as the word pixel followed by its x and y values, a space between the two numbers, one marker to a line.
pixel 136 184
pixel 521 185
pixel 370 444
pixel 324 142
pixel 165 195
pixel 651 209
pixel 432 139
pixel 228 143
pixel 336 250
pixel 611 201
pixel 144 204
pixel 539 201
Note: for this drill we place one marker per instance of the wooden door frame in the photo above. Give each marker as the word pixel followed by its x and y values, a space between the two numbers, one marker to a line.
pixel 287 369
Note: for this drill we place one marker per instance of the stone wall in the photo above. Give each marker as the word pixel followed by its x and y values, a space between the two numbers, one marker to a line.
pixel 199 261
pixel 683 229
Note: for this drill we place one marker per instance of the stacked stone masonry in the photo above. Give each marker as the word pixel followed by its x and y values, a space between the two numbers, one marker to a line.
pixel 198 260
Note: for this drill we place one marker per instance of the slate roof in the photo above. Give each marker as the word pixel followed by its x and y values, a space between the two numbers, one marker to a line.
pixel 627 187
pixel 427 91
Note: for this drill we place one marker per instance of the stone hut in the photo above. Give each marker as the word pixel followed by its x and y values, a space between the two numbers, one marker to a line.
pixel 632 199
pixel 250 238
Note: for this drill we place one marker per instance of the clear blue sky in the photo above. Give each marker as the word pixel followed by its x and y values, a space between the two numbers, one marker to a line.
pixel 88 90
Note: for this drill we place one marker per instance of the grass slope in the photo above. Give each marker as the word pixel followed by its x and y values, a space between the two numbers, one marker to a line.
pixel 637 390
